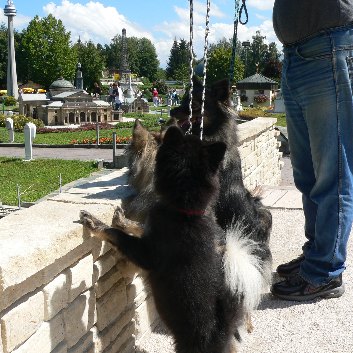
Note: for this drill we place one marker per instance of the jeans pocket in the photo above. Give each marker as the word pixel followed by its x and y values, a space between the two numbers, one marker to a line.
pixel 311 56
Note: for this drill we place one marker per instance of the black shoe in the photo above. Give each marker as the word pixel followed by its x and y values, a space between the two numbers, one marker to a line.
pixel 290 268
pixel 296 288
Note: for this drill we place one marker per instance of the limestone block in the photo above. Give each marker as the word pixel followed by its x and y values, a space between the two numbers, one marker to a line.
pixel 79 317
pixel 104 264
pixel 107 281
pixel 85 343
pixel 246 148
pixel 140 298
pixel 140 283
pixel 1 347
pixel 56 295
pixel 110 333
pixel 34 251
pixel 124 337
pixel 99 248
pixel 128 269
pixel 106 189
pixel 28 315
pixel 128 347
pixel 111 305
pixel 48 336
pixel 81 276
pixel 145 316
pixel 62 348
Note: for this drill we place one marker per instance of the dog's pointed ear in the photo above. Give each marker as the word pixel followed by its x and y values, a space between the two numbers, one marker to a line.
pixel 221 90
pixel 138 128
pixel 173 136
pixel 216 153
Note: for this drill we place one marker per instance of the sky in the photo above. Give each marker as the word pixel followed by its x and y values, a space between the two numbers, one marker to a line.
pixel 161 21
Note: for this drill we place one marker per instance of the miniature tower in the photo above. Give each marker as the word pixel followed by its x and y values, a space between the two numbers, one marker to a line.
pixel 12 88
pixel 79 78
pixel 124 70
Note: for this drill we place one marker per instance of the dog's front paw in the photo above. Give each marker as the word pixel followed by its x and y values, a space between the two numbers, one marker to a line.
pixel 89 221
pixel 118 220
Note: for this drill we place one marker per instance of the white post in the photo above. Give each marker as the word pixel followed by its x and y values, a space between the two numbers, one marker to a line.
pixel 9 127
pixel 30 134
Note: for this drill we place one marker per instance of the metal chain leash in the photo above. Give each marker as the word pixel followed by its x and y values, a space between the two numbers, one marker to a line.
pixel 205 61
pixel 238 11
pixel 207 30
pixel 191 47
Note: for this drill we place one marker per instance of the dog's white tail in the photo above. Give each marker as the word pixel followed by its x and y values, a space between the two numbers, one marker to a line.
pixel 244 272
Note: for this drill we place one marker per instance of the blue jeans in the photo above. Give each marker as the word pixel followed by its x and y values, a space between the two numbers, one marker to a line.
pixel 317 85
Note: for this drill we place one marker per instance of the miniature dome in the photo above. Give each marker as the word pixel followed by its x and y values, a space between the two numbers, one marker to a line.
pixel 61 84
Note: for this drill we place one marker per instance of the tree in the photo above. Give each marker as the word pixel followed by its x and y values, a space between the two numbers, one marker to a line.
pixel 179 61
pixel 261 57
pixel 273 65
pixel 142 56
pixel 3 53
pixel 219 57
pixel 92 62
pixel 148 62
pixel 47 51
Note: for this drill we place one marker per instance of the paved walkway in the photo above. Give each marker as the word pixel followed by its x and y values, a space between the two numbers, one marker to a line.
pixel 85 154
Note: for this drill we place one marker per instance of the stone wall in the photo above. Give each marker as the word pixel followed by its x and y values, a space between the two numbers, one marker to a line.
pixel 62 291
pixel 259 152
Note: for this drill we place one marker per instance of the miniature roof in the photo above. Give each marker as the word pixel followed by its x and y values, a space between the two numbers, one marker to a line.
pixel 256 81
pixel 30 97
pixel 61 83
pixel 101 103
pixel 56 104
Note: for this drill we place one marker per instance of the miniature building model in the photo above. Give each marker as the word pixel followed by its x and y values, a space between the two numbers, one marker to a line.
pixel 256 86
pixel 64 105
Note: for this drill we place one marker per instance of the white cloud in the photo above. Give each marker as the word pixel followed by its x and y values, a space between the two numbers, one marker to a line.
pixel 20 21
pixel 93 21
pixel 261 4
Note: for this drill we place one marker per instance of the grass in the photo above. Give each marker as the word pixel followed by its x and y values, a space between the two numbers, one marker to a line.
pixel 38 178
pixel 64 138
pixel 252 113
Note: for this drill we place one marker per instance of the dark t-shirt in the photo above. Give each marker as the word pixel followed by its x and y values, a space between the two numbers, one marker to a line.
pixel 295 20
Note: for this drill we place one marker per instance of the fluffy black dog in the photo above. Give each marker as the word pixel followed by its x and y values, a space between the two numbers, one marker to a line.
pixel 204 282
pixel 235 203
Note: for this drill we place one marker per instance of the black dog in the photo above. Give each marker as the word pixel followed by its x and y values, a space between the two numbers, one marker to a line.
pixel 204 282
pixel 235 203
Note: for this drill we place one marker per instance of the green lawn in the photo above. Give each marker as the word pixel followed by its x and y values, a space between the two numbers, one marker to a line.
pixel 64 138
pixel 38 178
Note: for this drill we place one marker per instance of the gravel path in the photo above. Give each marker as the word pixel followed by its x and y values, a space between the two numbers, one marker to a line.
pixel 320 326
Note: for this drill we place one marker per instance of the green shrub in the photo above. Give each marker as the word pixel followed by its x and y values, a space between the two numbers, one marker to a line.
pixel 19 122
pixel 10 101
pixel 252 113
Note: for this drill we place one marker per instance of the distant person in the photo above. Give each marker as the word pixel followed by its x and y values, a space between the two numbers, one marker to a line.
pixel 97 91
pixel 119 96
pixel 110 93
pixel 155 97
pixel 175 98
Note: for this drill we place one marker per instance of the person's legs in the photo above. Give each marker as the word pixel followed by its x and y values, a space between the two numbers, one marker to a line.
pixel 318 95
